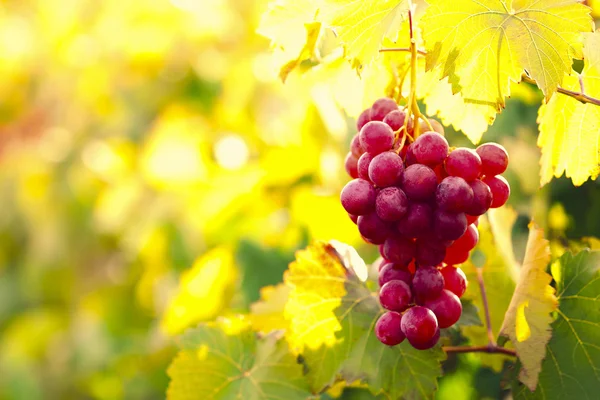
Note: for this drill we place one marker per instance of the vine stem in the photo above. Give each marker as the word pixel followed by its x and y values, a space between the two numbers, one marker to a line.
pixel 486 309
pixel 579 96
pixel 479 349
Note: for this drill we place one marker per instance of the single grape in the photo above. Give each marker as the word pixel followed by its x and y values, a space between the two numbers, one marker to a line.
pixel 355 146
pixel 463 162
pixel 395 119
pixel 363 118
pixel 419 182
pixel 494 159
pixel 376 137
pixel 429 252
pixel 456 256
pixel 455 280
pixel 398 250
pixel 373 229
pixel 381 108
pixel 420 325
pixel 409 157
pixel 428 283
pixel 358 197
pixel 391 204
pixel 435 126
pixel 468 240
pixel 387 328
pixel 454 194
pixel 482 198
pixel 417 222
pixel 448 225
pixel 362 166
pixel 430 148
pixel 429 344
pixel 446 307
pixel 472 219
pixel 353 217
pixel 395 295
pixel 385 169
pixel 500 190
pixel 351 165
pixel 389 273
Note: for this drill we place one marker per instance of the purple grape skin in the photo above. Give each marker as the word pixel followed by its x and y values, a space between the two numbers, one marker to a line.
pixel 494 159
pixel 500 190
pixel 398 250
pixel 482 198
pixel 351 165
pixel 446 307
pixel 391 204
pixel 355 146
pixel 395 295
pixel 428 283
pixel 389 273
pixel 428 344
pixel 463 162
pixel 429 252
pixel 381 108
pixel 376 137
pixel 409 158
pixel 373 228
pixel 387 328
pixel 448 225
pixel 358 197
pixel 385 169
pixel 419 182
pixel 417 222
pixel 363 118
pixel 430 148
pixel 395 119
pixel 362 166
pixel 454 194
pixel 419 324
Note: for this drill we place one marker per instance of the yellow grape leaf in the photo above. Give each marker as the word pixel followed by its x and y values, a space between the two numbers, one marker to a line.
pixel 570 130
pixel 313 29
pixel 502 221
pixel 203 292
pixel 362 25
pixel 482 46
pixel 267 314
pixel 527 320
pixel 316 280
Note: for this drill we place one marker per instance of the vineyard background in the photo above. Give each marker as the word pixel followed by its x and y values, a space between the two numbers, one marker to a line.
pixel 155 173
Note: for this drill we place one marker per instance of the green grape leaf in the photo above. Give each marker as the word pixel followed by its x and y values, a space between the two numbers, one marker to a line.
pixel 527 320
pixel 469 315
pixel 571 368
pixel 355 353
pixel 482 46
pixel 570 130
pixel 362 25
pixel 217 362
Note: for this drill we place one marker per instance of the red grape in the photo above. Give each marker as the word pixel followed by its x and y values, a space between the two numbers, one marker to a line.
pixel 387 328
pixel 391 204
pixel 373 228
pixel 446 307
pixel 417 222
pixel 358 197
pixel 395 295
pixel 363 118
pixel 494 159
pixel 482 198
pixel 419 182
pixel 388 272
pixel 428 344
pixel 355 146
pixel 386 169
pixel 395 119
pixel 420 325
pixel 429 252
pixel 428 283
pixel 454 280
pixel 500 190
pixel 430 148
pixel 456 256
pixel 398 250
pixel 381 108
pixel 353 217
pixel 351 165
pixel 449 226
pixel 376 137
pixel 464 163
pixel 454 194
pixel 362 166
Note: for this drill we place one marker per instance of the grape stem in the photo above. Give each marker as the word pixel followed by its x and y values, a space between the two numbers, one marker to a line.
pixel 486 309
pixel 579 96
pixel 479 349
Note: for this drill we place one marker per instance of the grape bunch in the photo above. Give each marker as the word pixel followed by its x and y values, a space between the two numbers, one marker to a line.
pixel 420 202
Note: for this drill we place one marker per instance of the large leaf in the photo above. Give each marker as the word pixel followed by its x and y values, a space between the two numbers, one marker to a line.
pixel 569 130
pixel 571 368
pixel 527 320
pixel 481 46
pixel 216 363
pixel 362 25
pixel 355 353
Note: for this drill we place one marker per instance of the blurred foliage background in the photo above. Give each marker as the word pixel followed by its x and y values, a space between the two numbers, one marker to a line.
pixel 154 173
